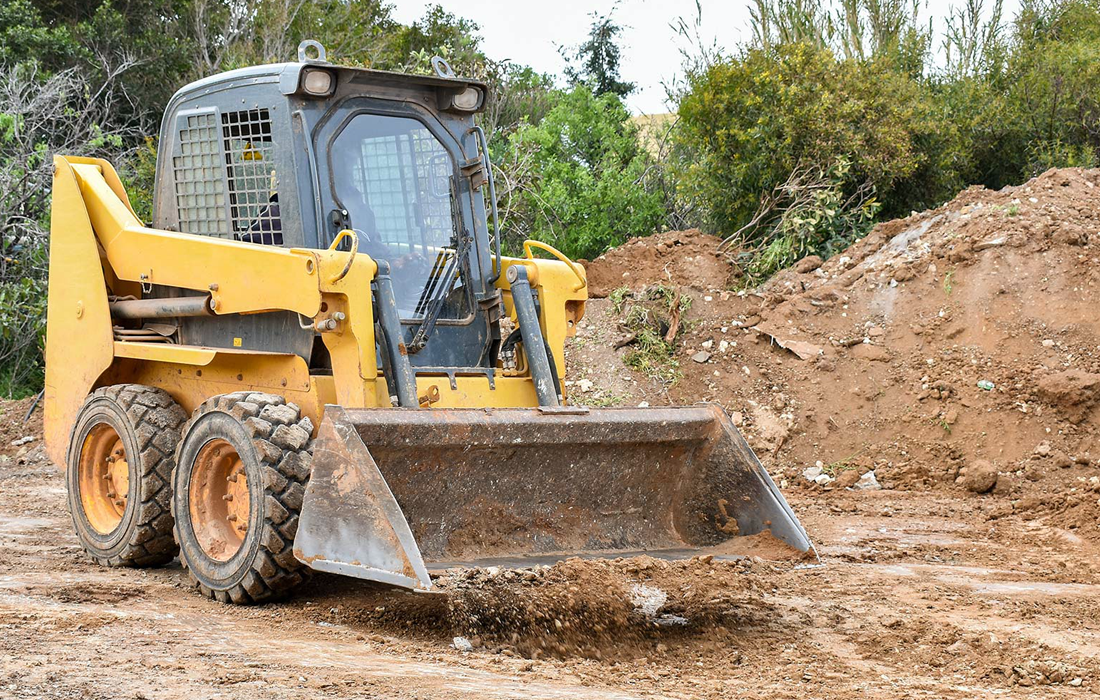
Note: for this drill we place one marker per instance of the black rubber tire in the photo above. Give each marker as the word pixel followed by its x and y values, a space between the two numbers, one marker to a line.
pixel 274 443
pixel 149 422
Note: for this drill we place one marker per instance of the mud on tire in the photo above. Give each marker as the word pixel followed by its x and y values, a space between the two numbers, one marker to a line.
pixel 125 432
pixel 242 469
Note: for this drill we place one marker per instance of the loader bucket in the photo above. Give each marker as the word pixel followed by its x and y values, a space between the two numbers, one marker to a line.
pixel 395 490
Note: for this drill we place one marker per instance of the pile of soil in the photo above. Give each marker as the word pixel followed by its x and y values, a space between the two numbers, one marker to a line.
pixel 601 609
pixel 618 609
pixel 956 348
pixel 687 258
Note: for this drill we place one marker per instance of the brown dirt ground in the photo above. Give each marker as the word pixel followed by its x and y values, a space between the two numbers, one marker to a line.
pixel 926 590
pixel 920 596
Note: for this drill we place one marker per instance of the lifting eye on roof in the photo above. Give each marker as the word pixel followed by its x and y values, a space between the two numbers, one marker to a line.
pixel 313 80
pixel 442 68
pixel 319 55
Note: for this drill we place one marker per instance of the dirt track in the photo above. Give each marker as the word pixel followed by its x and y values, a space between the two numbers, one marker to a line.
pixel 919 596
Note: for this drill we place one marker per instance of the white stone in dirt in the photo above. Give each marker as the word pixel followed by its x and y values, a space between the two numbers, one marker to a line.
pixel 648 600
pixel 707 344
pixel 868 482
pixel 585 385
pixel 22 441
pixel 816 475
pixel 701 356
pixel 462 644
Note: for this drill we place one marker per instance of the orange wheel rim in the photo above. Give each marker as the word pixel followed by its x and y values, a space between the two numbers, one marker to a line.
pixel 218 500
pixel 103 477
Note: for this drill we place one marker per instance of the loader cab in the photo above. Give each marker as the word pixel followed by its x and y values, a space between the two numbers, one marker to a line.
pixel 291 154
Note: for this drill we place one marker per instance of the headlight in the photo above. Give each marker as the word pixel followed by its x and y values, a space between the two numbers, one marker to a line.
pixel 317 82
pixel 467 100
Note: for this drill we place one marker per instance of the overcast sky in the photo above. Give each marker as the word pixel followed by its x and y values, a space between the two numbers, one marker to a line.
pixel 529 32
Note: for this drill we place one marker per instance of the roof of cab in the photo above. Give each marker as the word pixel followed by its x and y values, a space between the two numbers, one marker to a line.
pixel 269 70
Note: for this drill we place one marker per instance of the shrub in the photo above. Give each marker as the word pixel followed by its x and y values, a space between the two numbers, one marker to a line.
pixel 807 214
pixel 751 121
pixel 576 180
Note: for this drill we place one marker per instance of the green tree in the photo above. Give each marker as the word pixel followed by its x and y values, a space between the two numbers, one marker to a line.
pixel 577 179
pixel 596 61
pixel 1054 85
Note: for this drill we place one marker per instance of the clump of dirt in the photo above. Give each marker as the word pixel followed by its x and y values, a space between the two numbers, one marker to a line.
pixel 689 258
pixel 601 608
pixel 14 429
pixel 960 334
pixel 1074 392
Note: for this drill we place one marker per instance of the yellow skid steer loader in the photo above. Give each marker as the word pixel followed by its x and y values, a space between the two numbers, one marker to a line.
pixel 317 357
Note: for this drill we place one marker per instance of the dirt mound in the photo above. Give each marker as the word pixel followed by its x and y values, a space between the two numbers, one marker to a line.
pixel 686 258
pixel 964 333
pixel 600 608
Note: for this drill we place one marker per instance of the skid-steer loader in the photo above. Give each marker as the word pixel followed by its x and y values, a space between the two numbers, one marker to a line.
pixel 317 357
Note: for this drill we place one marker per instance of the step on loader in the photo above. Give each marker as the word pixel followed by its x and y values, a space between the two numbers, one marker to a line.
pixel 317 357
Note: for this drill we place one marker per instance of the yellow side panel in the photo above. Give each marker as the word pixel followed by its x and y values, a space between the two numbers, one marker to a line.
pixel 561 303
pixel 474 392
pixel 165 352
pixel 242 277
pixel 227 372
pixel 79 342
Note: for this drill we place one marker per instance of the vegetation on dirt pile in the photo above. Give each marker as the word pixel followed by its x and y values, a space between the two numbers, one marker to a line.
pixel 651 319
pixel 824 83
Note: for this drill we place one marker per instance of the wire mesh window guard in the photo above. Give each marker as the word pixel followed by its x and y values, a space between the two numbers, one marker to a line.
pixel 200 188
pixel 250 173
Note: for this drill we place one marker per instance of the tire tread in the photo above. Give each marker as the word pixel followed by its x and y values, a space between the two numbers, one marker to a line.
pixel 270 576
pixel 157 421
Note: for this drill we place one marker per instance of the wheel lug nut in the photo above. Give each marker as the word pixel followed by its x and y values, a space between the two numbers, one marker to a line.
pixel 110 494
pixel 119 502
pixel 231 518
pixel 227 497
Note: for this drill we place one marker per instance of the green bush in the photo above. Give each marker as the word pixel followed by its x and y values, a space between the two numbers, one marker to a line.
pixel 1011 102
pixel 22 333
pixel 753 120
pixel 576 180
